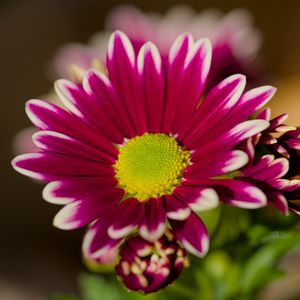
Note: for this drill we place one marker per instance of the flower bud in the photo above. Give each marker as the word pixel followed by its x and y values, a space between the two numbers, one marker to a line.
pixel 149 266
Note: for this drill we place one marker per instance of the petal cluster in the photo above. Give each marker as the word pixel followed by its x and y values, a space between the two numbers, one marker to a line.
pixel 274 163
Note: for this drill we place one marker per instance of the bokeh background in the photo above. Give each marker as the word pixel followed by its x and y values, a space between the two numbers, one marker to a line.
pixel 35 258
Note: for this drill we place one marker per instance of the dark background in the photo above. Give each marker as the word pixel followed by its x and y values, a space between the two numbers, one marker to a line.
pixel 35 258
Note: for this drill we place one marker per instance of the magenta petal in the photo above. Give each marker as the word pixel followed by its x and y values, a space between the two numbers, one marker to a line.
pixel 292 185
pixel 279 184
pixel 277 121
pixel 177 56
pixel 49 166
pixel 108 105
pixel 206 166
pixel 96 241
pixel 249 103
pixel 233 137
pixel 263 163
pixel 277 200
pixel 62 144
pixel 134 281
pixel 73 97
pixel 198 198
pixel 214 108
pixel 122 70
pixel 275 169
pixel 82 212
pixel 265 114
pixel 293 143
pixel 195 72
pixel 193 234
pixel 77 188
pixel 109 257
pixel 248 147
pixel 153 224
pixel 126 217
pixel 239 193
pixel 47 116
pixel 150 68
pixel 158 281
pixel 176 209
pixel 85 107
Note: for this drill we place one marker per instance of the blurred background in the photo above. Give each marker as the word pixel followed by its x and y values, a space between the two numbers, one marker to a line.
pixel 35 258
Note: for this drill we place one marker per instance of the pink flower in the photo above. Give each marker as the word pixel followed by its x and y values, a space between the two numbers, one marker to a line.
pixel 136 150
pixel 269 174
pixel 274 160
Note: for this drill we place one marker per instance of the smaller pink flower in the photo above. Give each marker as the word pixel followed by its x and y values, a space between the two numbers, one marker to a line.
pixel 73 60
pixel 149 266
pixel 274 163
pixel 268 173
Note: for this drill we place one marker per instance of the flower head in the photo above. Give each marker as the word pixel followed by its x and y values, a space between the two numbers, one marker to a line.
pixel 136 150
pixel 269 174
pixel 149 266
pixel 274 163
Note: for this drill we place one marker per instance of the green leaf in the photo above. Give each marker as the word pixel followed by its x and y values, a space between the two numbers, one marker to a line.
pixel 259 268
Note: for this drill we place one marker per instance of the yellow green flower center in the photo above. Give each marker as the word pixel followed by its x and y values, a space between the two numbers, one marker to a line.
pixel 151 165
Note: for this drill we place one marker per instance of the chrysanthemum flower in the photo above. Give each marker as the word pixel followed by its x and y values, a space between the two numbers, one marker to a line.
pixel 148 266
pixel 138 150
pixel 274 163
pixel 268 173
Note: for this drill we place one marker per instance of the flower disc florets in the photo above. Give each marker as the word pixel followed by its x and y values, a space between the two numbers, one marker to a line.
pixel 147 267
pixel 151 165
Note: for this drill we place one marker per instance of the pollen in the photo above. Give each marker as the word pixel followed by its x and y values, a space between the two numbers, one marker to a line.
pixel 151 165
